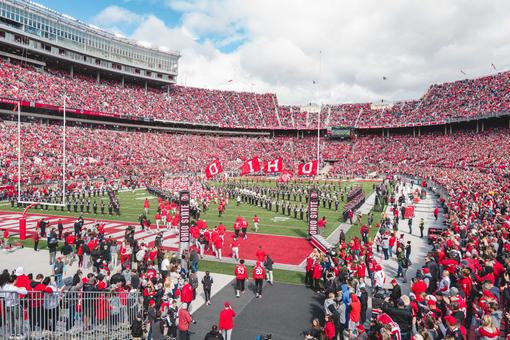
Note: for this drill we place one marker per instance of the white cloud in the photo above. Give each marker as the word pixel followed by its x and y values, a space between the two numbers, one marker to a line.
pixel 412 43
pixel 115 18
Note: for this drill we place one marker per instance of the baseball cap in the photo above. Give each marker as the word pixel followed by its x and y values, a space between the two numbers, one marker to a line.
pixel 226 304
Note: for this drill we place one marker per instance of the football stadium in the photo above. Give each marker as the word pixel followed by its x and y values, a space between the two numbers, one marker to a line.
pixel 136 206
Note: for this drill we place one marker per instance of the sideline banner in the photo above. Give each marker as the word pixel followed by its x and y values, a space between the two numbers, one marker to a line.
pixel 184 223
pixel 313 212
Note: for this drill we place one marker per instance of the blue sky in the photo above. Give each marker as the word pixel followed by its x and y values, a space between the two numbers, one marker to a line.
pixel 87 11
pixel 274 45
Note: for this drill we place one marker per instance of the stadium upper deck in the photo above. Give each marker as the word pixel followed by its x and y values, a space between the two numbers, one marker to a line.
pixel 47 37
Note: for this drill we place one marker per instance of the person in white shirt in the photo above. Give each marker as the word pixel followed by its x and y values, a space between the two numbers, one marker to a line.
pixel 13 311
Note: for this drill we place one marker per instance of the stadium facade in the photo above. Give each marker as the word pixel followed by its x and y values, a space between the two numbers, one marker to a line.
pixel 32 31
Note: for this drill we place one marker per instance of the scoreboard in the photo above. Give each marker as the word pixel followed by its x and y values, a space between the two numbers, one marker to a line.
pixel 341 132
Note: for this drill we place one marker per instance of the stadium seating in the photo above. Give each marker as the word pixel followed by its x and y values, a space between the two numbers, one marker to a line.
pixel 442 102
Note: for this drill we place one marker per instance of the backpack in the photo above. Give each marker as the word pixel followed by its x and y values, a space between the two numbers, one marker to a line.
pixel 193 281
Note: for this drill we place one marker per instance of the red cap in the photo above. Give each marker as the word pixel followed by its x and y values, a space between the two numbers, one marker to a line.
pixel 425 270
pixel 488 294
pixel 431 302
pixel 450 320
pixel 394 281
pixel 384 319
pixel 226 304
pixel 360 328
pixel 101 285
pixel 151 302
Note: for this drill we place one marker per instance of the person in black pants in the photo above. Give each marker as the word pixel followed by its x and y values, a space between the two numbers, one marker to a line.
pixel 207 283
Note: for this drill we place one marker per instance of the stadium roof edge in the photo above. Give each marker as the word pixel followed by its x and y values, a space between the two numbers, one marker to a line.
pixel 87 27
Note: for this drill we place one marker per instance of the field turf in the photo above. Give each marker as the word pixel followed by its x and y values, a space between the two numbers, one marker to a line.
pixel 270 222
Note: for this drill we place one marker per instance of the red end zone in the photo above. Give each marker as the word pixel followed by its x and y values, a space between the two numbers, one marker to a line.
pixel 282 249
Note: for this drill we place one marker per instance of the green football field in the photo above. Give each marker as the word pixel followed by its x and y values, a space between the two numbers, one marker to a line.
pixel 270 221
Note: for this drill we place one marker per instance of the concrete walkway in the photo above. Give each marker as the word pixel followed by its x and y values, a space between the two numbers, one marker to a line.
pixel 364 209
pixel 419 246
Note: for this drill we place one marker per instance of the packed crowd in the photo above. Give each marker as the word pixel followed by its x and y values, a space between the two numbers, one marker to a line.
pixel 183 104
pixel 94 153
pixel 133 288
pixel 468 98
pixel 461 291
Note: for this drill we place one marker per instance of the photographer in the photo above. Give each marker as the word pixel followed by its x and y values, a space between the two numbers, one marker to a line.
pixel 402 315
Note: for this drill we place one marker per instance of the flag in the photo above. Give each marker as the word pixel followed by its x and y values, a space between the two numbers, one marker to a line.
pixel 384 78
pixel 285 176
pixel 250 166
pixel 494 67
pixel 461 71
pixel 308 169
pixel 276 165
pixel 213 169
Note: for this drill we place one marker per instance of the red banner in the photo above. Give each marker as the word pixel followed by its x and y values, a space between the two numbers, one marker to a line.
pixel 250 166
pixel 276 165
pixel 213 169
pixel 308 169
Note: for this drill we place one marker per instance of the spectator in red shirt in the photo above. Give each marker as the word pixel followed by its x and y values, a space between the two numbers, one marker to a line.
pixel 329 328
pixel 226 324
pixel 260 254
pixel 185 320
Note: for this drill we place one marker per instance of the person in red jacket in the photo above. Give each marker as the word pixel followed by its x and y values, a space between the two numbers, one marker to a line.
pixel 185 320
pixel 316 276
pixel 226 324
pixel 436 213
pixel 259 274
pixel 241 274
pixel 329 328
pixel 237 229
pixel 146 206
pixel 218 244
pixel 355 313
pixel 260 254
pixel 187 294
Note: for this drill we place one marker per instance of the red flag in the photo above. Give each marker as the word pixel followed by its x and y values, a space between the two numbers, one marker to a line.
pixel 285 176
pixel 213 169
pixel 276 165
pixel 308 169
pixel 250 166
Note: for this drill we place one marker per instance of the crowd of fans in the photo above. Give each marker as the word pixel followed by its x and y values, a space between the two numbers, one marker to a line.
pixel 94 153
pixel 183 104
pixel 468 98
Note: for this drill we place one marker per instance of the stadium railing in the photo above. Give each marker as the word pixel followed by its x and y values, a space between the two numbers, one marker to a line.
pixel 68 315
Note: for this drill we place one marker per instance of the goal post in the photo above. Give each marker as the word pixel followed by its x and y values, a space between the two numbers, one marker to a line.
pixel 24 173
